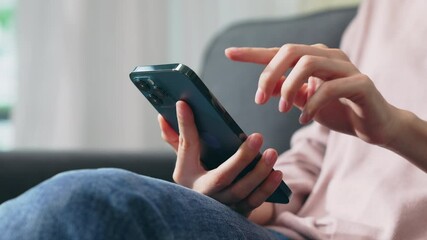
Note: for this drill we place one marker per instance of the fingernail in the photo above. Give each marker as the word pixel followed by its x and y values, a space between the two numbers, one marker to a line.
pixel 278 176
pixel 254 142
pixel 233 50
pixel 259 96
pixel 178 109
pixel 270 158
pixel 283 105
pixel 303 118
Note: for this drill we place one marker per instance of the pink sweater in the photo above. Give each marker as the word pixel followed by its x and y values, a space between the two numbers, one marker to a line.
pixel 354 190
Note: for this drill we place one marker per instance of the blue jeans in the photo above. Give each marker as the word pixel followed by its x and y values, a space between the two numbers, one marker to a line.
pixel 117 204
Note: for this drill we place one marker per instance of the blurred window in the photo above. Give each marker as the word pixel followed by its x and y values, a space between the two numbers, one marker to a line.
pixel 7 72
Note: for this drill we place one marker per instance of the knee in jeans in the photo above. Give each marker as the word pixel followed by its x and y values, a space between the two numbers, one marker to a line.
pixel 84 185
pixel 92 176
pixel 75 197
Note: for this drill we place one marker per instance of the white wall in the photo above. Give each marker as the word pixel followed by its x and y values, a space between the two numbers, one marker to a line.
pixel 74 57
pixel 192 23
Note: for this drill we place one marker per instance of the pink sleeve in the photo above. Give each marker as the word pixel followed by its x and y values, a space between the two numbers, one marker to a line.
pixel 302 163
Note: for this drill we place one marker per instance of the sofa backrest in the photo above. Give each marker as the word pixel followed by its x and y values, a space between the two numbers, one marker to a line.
pixel 234 84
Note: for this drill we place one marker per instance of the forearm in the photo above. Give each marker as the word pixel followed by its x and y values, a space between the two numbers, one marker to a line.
pixel 410 140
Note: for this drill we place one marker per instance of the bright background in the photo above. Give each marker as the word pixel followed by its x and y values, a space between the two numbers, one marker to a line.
pixel 64 64
pixel 8 66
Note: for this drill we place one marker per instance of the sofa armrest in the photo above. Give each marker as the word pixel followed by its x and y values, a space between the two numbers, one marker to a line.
pixel 20 171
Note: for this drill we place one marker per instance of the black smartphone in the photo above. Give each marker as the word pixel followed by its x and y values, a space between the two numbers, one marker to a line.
pixel 220 136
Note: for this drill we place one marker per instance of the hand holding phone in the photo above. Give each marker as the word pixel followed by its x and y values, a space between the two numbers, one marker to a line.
pixel 243 195
pixel 219 136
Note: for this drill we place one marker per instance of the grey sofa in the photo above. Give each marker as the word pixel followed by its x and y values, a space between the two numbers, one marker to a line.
pixel 233 83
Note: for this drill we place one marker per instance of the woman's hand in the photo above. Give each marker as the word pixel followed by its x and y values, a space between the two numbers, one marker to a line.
pixel 325 85
pixel 243 195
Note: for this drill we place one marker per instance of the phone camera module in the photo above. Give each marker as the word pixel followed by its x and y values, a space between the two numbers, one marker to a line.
pixel 158 91
pixel 144 84
pixel 155 100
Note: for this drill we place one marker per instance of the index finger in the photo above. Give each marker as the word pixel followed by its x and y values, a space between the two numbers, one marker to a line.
pixel 188 155
pixel 285 58
pixel 168 133
pixel 251 54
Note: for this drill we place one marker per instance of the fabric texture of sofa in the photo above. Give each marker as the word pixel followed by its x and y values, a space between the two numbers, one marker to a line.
pixel 233 83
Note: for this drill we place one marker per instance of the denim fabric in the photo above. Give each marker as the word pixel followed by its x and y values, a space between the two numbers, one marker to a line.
pixel 117 204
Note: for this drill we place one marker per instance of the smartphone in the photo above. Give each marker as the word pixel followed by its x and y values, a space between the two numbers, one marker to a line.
pixel 220 136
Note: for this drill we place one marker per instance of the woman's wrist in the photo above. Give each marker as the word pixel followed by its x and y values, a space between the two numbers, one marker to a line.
pixel 399 121
pixel 409 138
